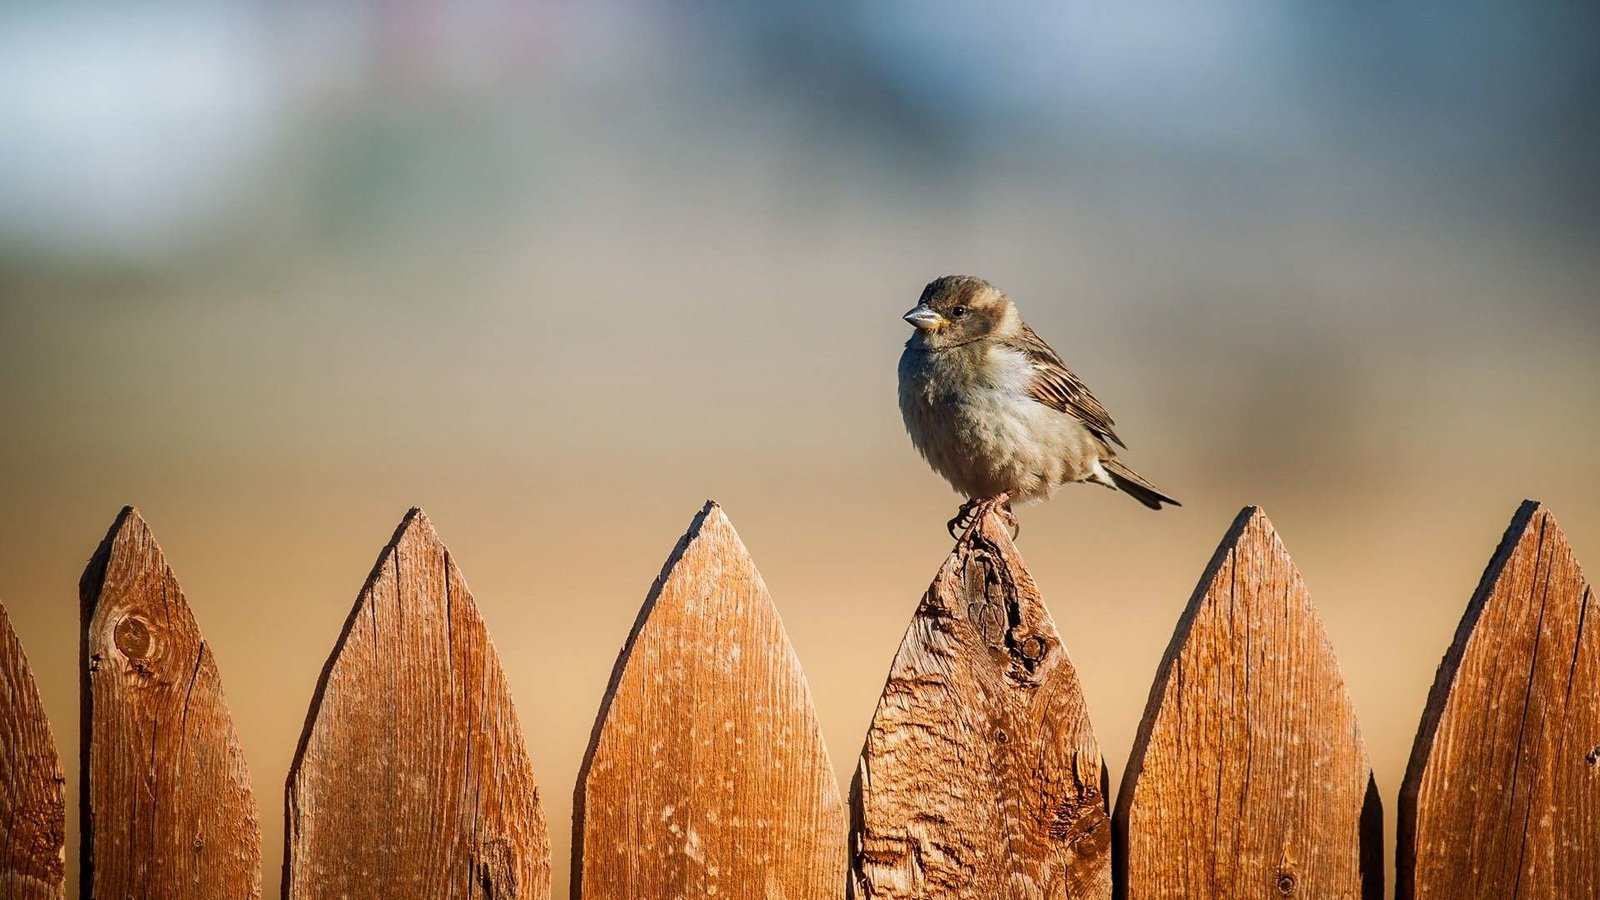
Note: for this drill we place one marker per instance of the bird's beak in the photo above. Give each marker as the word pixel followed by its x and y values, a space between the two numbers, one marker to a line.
pixel 925 318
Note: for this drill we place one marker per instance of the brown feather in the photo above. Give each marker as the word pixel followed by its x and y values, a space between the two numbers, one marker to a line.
pixel 1055 386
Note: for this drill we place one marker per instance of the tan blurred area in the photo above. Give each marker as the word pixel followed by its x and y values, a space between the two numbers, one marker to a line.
pixel 559 275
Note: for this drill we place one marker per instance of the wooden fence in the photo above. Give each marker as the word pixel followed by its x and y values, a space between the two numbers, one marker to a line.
pixel 707 777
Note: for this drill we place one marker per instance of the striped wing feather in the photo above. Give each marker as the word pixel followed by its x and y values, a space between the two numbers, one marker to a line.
pixel 1056 387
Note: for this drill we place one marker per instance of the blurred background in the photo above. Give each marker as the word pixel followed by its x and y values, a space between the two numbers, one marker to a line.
pixel 559 271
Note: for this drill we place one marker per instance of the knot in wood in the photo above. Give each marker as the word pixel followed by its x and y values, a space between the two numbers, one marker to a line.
pixel 1594 755
pixel 1032 648
pixel 1287 883
pixel 132 637
pixel 1081 823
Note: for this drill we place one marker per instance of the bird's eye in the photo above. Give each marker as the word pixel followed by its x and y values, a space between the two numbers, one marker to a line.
pixel 958 312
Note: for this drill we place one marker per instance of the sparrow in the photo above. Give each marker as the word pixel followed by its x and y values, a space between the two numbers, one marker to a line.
pixel 993 409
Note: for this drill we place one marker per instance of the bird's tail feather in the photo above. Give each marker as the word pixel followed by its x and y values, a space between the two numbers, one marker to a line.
pixel 1134 485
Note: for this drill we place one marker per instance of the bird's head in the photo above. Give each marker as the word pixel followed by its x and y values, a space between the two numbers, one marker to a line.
pixel 961 309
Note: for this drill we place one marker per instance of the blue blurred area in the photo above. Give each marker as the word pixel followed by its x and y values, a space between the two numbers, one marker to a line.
pixel 147 131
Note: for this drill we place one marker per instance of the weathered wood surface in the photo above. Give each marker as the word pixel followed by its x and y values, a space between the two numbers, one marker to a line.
pixel 981 777
pixel 169 811
pixel 706 776
pixel 1248 778
pixel 411 780
pixel 1502 796
pixel 33 804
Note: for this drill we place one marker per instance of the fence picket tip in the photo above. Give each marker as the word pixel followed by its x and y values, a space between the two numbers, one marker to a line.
pixel 733 770
pixel 980 777
pixel 1494 678
pixel 371 804
pixel 33 803
pixel 156 732
pixel 1250 622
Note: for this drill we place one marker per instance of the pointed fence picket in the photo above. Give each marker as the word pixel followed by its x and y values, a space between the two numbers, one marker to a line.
pixel 411 779
pixel 1248 777
pixel 981 778
pixel 33 805
pixel 169 811
pixel 706 775
pixel 1502 795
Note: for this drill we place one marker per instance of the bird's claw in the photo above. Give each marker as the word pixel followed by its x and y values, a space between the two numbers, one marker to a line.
pixel 965 516
pixel 974 510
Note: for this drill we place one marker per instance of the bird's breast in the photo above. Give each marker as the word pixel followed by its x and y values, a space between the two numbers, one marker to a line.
pixel 957 379
pixel 972 417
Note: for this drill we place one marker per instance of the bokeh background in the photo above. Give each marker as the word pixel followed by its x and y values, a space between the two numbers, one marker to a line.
pixel 558 271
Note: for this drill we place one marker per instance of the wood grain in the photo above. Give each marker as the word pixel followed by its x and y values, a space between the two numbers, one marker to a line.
pixel 33 804
pixel 168 810
pixel 1248 777
pixel 411 780
pixel 981 777
pixel 706 775
pixel 1502 795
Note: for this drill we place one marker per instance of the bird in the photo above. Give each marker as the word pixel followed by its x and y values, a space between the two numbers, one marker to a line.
pixel 994 410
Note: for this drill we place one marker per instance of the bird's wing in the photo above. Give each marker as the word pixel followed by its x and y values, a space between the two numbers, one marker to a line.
pixel 1056 387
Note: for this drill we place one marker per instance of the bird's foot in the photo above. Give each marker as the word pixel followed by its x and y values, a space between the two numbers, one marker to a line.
pixel 974 510
pixel 965 516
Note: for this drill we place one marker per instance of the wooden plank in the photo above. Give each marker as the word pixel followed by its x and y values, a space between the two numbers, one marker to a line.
pixel 33 803
pixel 981 777
pixel 706 775
pixel 169 811
pixel 1502 795
pixel 1248 777
pixel 411 780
